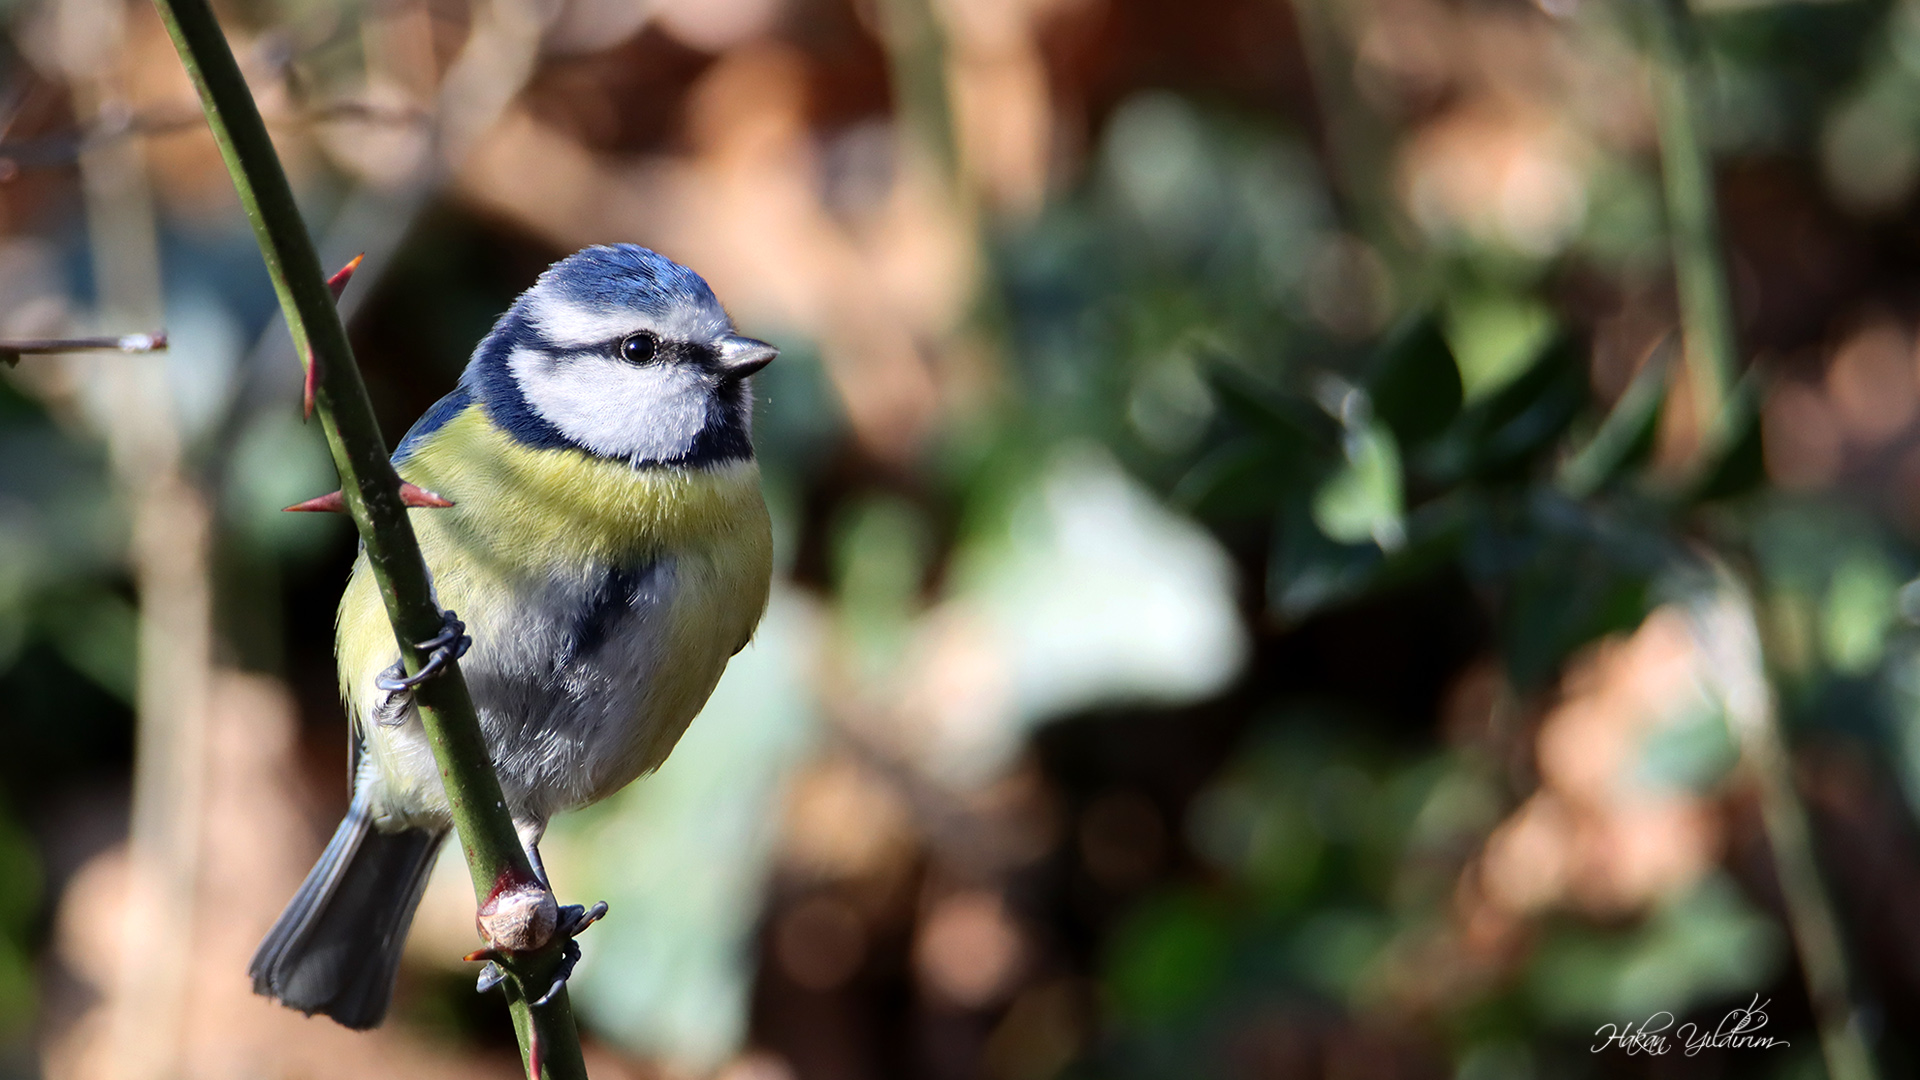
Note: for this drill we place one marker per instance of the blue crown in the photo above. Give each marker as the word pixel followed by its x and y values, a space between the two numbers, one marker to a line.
pixel 627 275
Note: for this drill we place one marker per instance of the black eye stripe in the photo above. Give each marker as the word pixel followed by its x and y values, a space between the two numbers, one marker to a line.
pixel 664 349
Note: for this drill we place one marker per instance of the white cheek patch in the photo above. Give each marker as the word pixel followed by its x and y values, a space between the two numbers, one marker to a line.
pixel 613 408
pixel 569 325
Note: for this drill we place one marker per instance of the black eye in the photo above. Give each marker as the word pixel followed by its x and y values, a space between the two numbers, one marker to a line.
pixel 639 348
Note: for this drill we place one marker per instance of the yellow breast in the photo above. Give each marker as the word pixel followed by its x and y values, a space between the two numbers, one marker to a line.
pixel 529 506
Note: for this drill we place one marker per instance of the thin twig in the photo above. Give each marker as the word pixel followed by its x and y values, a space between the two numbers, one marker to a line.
pixel 49 151
pixel 372 492
pixel 1729 630
pixel 12 351
pixel 1707 331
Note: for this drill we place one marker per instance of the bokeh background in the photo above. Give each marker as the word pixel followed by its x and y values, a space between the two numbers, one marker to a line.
pixel 1266 587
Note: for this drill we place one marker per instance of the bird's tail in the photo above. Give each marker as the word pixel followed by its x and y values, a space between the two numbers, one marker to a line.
pixel 336 948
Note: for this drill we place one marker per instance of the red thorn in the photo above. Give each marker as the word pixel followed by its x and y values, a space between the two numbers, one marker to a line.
pixel 419 496
pixel 333 502
pixel 311 385
pixel 478 955
pixel 337 284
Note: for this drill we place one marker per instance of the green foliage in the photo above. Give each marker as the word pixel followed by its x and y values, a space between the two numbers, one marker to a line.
pixel 1458 438
pixel 1706 945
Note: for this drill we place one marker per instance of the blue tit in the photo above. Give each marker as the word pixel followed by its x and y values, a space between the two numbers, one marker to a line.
pixel 609 550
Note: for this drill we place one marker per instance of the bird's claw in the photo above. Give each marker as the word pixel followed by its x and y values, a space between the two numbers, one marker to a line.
pixel 450 644
pixel 575 918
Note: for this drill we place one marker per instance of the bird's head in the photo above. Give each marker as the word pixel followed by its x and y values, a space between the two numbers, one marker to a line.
pixel 622 353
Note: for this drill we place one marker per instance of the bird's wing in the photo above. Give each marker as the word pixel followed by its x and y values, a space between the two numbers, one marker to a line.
pixel 363 646
pixel 431 421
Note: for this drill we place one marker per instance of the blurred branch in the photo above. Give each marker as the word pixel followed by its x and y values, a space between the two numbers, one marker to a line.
pixel 1707 330
pixel 46 151
pixel 1730 631
pixel 12 351
pixel 917 59
pixel 1693 220
pixel 1627 427
pixel 495 859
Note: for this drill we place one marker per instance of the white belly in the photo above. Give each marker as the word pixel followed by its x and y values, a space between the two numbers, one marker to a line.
pixel 583 682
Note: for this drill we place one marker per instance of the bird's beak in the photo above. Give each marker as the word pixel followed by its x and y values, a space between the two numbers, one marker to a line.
pixel 741 356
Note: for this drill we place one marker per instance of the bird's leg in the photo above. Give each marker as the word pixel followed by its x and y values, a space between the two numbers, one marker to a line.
pixel 450 644
pixel 531 831
pixel 573 918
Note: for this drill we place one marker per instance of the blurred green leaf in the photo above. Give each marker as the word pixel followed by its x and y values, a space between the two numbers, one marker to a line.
pixel 1495 438
pixel 21 880
pixel 1241 478
pixel 1363 501
pixel 1494 338
pixel 1859 610
pixel 1415 383
pixel 1626 436
pixel 1288 419
pixel 1259 828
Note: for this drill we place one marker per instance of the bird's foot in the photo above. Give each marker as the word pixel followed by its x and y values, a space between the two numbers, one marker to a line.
pixel 574 920
pixel 450 644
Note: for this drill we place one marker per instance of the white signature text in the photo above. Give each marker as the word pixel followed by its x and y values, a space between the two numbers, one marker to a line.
pixel 1740 1029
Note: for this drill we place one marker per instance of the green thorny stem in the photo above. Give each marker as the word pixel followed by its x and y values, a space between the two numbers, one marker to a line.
pixel 1707 331
pixel 548 1039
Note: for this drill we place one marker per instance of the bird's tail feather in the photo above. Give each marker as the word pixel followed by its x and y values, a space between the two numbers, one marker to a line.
pixel 336 948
